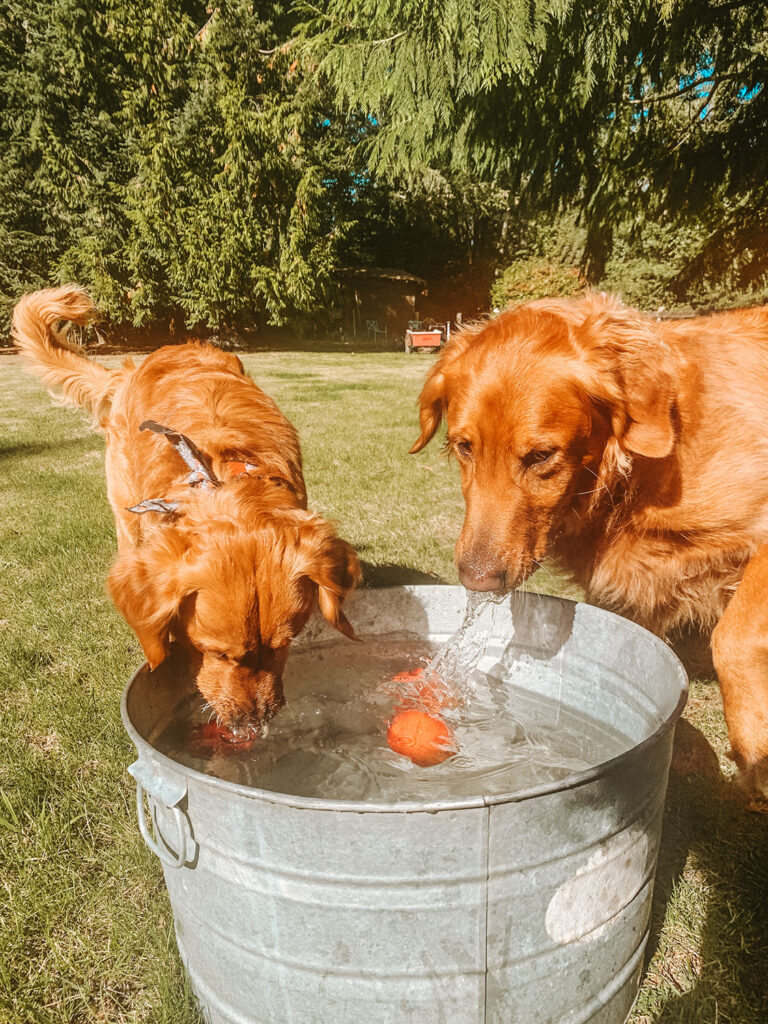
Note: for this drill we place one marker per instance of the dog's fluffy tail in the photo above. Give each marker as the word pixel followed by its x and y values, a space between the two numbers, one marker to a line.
pixel 45 348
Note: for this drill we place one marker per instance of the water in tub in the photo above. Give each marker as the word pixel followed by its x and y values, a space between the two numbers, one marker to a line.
pixel 330 740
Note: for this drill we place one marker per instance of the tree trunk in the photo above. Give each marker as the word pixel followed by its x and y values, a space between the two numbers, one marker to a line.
pixel 597 252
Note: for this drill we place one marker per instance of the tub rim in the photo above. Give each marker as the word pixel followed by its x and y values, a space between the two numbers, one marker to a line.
pixel 146 751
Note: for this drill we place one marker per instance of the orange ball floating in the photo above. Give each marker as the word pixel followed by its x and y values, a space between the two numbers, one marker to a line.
pixel 424 738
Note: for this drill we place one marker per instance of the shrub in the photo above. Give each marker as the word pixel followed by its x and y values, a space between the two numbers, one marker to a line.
pixel 535 277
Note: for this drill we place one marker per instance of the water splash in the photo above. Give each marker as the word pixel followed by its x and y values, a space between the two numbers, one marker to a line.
pixel 455 664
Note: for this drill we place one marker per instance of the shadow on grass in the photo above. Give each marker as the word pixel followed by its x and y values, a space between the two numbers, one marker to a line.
pixel 693 648
pixel 718 846
pixel 396 576
pixel 14 451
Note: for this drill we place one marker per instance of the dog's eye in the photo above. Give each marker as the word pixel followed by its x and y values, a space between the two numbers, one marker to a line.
pixel 464 449
pixel 222 656
pixel 538 456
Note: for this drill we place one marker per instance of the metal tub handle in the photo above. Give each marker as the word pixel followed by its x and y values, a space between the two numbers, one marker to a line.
pixel 168 791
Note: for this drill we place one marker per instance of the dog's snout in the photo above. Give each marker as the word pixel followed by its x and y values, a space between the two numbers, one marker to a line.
pixel 241 696
pixel 481 583
pixel 482 577
pixel 268 699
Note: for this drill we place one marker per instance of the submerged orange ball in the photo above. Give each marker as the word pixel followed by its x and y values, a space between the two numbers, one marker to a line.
pixel 212 738
pixel 409 675
pixel 432 695
pixel 425 739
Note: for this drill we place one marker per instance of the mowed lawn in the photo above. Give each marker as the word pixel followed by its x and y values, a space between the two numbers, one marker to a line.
pixel 85 927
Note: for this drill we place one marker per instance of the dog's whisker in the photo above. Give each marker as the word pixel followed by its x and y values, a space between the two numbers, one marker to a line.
pixel 207 706
pixel 543 567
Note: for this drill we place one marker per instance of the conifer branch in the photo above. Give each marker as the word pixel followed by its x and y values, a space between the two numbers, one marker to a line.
pixel 717 79
pixel 281 48
pixel 693 120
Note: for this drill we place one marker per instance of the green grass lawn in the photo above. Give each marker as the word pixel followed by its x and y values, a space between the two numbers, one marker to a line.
pixel 85 927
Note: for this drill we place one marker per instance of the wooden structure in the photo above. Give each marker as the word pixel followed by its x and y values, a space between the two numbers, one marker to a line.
pixel 380 303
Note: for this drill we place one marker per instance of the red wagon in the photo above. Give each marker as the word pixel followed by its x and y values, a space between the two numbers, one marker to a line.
pixel 423 340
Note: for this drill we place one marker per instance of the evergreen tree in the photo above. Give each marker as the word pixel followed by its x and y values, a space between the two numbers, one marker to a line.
pixel 649 109
pixel 171 158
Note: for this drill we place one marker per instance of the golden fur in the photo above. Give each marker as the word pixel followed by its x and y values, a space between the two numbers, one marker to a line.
pixel 233 574
pixel 635 453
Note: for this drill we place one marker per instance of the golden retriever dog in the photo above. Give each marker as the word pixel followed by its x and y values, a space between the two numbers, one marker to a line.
pixel 635 453
pixel 204 476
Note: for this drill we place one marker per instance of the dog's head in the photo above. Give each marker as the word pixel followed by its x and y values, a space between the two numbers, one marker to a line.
pixel 538 403
pixel 235 596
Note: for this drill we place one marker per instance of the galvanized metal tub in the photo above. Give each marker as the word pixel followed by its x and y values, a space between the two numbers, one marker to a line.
pixel 527 908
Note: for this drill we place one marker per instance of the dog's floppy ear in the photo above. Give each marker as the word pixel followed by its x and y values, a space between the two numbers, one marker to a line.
pixel 331 563
pixel 631 370
pixel 433 400
pixel 147 587
pixel 431 406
